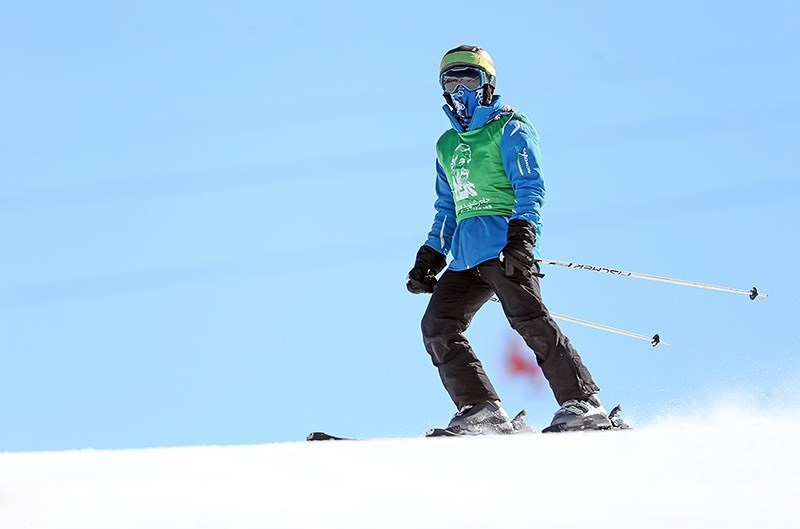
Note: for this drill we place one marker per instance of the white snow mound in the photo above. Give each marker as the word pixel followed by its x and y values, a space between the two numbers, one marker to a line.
pixel 732 469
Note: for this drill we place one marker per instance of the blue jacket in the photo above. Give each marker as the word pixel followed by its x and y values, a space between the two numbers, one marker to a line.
pixel 478 239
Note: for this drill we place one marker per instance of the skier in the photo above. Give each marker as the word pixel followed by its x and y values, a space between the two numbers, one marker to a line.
pixel 489 194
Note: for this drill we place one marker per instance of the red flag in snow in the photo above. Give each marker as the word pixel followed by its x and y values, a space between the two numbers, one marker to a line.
pixel 521 362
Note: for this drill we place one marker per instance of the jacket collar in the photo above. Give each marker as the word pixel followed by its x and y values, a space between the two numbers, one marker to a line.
pixel 482 116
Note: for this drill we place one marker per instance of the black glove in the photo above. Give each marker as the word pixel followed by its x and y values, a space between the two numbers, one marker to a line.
pixel 518 251
pixel 422 277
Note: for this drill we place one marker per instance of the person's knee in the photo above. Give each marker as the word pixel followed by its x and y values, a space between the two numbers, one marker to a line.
pixel 539 331
pixel 529 323
pixel 435 325
pixel 439 336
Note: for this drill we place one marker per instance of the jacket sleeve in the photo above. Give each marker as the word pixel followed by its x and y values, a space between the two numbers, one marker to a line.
pixel 519 148
pixel 444 223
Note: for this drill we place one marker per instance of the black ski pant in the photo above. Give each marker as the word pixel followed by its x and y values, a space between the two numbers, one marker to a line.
pixel 456 298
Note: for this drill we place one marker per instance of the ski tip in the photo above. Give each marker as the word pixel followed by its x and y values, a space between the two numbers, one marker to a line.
pixel 519 417
pixel 617 422
pixel 555 428
pixel 322 436
pixel 441 432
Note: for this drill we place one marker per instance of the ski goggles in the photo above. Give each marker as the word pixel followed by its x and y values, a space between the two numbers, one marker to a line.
pixel 469 78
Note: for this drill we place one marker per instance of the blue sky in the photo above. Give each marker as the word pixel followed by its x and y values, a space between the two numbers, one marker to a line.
pixel 208 209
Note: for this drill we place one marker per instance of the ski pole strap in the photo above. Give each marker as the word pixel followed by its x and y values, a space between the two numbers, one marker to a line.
pixel 654 340
pixel 753 293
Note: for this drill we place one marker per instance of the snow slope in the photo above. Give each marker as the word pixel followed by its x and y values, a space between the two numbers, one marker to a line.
pixel 733 469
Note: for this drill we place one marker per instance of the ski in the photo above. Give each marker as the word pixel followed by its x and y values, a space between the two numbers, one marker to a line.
pixel 520 427
pixel 322 436
pixel 441 432
pixel 518 422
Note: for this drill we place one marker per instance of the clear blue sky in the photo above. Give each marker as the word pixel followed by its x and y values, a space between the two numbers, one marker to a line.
pixel 208 209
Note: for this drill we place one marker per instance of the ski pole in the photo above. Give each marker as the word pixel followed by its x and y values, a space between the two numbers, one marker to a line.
pixel 654 340
pixel 753 293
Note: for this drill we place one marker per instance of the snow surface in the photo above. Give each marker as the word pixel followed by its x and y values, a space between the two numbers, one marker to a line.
pixel 730 469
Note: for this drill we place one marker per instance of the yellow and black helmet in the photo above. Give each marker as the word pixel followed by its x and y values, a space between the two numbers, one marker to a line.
pixel 469 56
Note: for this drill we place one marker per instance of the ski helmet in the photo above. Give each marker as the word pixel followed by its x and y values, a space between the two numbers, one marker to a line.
pixel 466 56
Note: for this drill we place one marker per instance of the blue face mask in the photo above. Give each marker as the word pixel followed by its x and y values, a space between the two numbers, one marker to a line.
pixel 465 102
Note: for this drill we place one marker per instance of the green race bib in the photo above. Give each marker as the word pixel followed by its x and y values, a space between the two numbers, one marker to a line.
pixel 474 169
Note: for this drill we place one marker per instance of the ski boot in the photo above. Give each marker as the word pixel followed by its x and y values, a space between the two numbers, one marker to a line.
pixel 485 418
pixel 585 414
